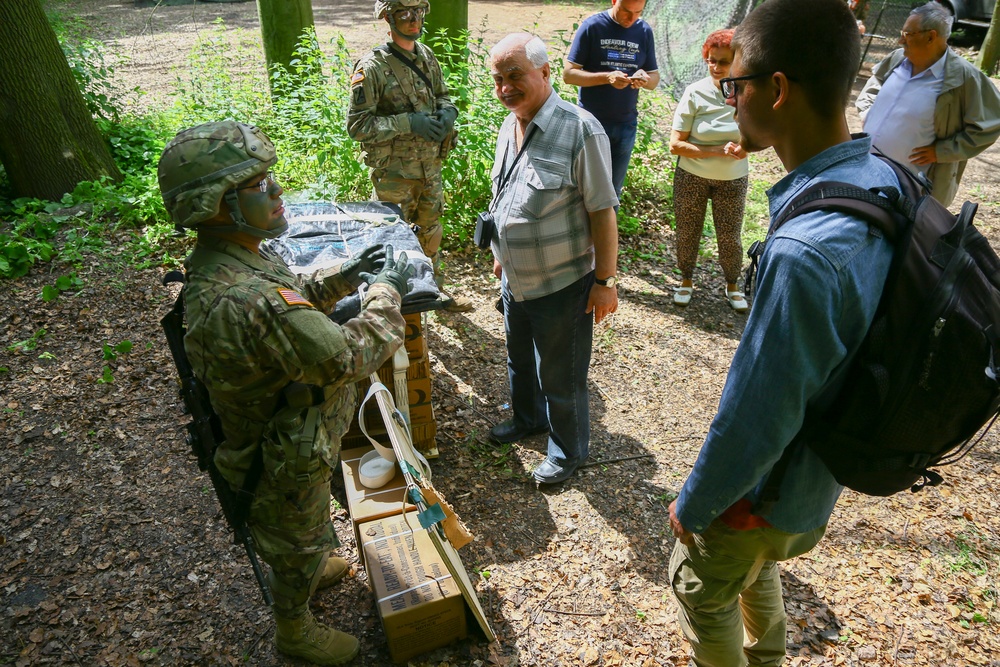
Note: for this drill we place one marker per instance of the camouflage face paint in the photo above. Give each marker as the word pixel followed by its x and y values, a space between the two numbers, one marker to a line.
pixel 263 210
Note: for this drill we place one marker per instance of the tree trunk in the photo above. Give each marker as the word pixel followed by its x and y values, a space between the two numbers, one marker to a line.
pixel 282 23
pixel 453 17
pixel 989 54
pixel 48 139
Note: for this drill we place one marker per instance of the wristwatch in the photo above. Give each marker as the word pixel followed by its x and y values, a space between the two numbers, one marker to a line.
pixel 610 281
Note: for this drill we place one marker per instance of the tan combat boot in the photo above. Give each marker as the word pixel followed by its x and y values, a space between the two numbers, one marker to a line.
pixel 336 568
pixel 303 637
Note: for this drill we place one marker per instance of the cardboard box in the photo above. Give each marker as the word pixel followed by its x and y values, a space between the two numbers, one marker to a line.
pixel 419 368
pixel 420 603
pixel 419 395
pixel 413 339
pixel 366 504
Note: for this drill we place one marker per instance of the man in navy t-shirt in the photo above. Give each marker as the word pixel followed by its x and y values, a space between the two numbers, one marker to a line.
pixel 611 58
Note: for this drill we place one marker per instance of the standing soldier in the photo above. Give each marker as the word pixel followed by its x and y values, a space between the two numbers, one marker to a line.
pixel 280 374
pixel 401 113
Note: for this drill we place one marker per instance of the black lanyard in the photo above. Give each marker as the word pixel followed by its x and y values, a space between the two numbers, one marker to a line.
pixel 505 178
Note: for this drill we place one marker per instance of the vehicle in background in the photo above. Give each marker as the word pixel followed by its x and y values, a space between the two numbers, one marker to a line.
pixel 975 14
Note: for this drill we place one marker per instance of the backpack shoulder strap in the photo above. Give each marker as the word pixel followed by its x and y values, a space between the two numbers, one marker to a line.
pixel 881 207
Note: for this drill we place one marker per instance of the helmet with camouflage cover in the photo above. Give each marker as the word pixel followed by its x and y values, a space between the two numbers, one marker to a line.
pixel 205 164
pixel 385 7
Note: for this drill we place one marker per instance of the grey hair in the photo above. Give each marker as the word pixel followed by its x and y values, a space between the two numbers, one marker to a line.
pixel 536 52
pixel 533 47
pixel 934 16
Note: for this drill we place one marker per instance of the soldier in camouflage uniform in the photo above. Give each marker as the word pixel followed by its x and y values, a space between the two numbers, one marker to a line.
pixel 401 113
pixel 279 372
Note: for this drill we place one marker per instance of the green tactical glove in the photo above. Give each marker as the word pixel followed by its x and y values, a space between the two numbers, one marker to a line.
pixel 447 117
pixel 362 269
pixel 396 272
pixel 424 125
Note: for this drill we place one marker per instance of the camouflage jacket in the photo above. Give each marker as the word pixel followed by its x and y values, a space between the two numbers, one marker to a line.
pixel 384 91
pixel 253 326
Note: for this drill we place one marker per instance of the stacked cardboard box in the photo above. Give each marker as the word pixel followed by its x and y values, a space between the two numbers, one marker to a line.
pixel 419 601
pixel 366 504
pixel 423 428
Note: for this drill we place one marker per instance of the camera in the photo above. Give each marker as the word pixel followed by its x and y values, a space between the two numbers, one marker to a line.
pixel 486 229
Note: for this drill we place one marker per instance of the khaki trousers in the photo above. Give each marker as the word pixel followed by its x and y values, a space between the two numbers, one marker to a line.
pixel 729 593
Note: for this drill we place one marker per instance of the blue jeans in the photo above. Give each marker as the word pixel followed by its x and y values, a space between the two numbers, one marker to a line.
pixel 622 138
pixel 549 340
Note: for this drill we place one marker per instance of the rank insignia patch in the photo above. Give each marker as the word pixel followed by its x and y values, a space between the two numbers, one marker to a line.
pixel 293 298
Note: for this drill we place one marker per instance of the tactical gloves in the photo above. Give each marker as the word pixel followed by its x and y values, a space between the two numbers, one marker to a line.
pixel 424 125
pixel 396 272
pixel 369 262
pixel 447 117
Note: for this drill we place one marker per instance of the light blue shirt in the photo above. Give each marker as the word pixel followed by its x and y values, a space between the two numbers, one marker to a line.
pixel 902 116
pixel 819 283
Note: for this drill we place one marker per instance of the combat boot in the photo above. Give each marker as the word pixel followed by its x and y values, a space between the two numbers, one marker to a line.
pixel 336 568
pixel 303 637
pixel 456 304
pixel 451 303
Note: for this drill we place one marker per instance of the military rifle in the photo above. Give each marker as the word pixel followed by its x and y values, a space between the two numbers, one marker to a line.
pixel 205 434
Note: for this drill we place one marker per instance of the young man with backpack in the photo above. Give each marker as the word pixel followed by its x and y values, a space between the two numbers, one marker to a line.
pixel 819 284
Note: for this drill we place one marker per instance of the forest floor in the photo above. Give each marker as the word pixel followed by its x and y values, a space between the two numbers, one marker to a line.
pixel 113 551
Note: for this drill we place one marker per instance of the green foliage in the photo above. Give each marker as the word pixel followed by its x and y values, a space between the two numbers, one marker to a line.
pixel 29 343
pixel 215 89
pixel 111 352
pixel 317 159
pixel 306 117
pixel 63 284
pixel 466 173
pixel 93 70
pixel 107 376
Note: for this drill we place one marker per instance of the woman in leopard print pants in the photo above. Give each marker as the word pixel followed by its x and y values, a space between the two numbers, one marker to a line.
pixel 711 166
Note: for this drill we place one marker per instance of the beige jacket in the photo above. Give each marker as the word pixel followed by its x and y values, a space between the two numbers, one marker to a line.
pixel 966 117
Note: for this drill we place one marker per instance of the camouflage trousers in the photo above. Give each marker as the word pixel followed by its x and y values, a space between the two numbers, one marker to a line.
pixel 420 199
pixel 291 526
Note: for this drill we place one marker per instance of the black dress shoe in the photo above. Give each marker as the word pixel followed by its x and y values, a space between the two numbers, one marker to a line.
pixel 550 472
pixel 507 431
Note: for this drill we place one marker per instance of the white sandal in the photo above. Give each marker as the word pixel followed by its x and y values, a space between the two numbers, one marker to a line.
pixel 682 295
pixel 737 300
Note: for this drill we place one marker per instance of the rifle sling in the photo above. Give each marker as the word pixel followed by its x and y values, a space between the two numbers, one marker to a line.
pixel 409 63
pixel 245 494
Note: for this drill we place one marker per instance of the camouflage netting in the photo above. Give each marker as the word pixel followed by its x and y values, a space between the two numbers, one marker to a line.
pixel 680 28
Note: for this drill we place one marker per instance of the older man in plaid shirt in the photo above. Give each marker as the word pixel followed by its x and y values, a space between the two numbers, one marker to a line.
pixel 555 251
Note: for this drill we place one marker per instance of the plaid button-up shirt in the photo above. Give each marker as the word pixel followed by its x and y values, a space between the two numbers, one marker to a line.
pixel 543 239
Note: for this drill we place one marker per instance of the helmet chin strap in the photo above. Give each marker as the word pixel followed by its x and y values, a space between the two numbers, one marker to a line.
pixel 409 38
pixel 240 224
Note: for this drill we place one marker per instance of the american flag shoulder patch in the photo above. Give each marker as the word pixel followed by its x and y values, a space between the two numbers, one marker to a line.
pixel 357 77
pixel 293 298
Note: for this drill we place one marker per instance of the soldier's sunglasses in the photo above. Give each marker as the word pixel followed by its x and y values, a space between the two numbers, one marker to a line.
pixel 263 185
pixel 407 15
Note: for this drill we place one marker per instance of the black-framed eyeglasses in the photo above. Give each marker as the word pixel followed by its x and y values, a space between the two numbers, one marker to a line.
pixel 263 185
pixel 729 83
pixel 416 14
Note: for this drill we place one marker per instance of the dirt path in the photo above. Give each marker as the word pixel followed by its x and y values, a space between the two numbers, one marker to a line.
pixel 112 550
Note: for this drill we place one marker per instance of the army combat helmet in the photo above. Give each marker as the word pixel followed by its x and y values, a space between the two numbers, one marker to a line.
pixel 386 8
pixel 205 164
